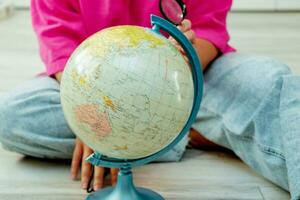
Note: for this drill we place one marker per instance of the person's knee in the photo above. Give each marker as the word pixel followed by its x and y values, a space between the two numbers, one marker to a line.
pixel 265 73
pixel 268 67
pixel 27 117
pixel 14 120
pixel 236 80
pixel 264 65
pixel 258 73
pixel 19 132
pixel 243 71
pixel 7 116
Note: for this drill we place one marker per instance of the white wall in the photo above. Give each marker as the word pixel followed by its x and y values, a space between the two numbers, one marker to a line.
pixel 254 4
pixel 288 4
pixel 21 3
pixel 271 5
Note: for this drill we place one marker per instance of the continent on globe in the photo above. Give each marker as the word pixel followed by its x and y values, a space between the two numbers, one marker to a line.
pixel 98 122
pixel 108 102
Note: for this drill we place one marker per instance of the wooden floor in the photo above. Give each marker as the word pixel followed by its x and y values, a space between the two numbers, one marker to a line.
pixel 201 175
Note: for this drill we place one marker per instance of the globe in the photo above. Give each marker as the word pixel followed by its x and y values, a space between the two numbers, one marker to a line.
pixel 127 92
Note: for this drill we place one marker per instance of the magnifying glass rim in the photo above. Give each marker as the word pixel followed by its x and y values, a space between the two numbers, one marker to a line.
pixel 182 6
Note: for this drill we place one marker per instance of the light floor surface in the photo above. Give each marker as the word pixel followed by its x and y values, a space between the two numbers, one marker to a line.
pixel 201 175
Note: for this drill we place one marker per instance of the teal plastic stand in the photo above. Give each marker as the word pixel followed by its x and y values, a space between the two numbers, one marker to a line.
pixel 125 189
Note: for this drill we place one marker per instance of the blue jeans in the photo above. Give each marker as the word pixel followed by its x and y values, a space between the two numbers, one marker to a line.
pixel 32 123
pixel 251 104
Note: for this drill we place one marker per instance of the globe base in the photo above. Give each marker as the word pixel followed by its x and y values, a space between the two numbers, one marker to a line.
pixel 111 194
pixel 124 190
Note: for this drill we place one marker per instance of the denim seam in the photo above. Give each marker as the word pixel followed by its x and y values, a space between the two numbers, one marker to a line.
pixel 264 148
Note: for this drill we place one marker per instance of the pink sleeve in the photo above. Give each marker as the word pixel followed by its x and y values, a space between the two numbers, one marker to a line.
pixel 208 19
pixel 59 29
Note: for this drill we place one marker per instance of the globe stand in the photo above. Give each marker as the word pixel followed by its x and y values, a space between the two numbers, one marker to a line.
pixel 125 190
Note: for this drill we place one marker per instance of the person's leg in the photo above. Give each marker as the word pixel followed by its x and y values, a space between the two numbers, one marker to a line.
pixel 176 153
pixel 32 122
pixel 290 124
pixel 244 104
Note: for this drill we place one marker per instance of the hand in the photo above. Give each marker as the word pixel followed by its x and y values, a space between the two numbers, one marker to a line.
pixel 197 141
pixel 58 76
pixel 205 49
pixel 186 28
pixel 81 152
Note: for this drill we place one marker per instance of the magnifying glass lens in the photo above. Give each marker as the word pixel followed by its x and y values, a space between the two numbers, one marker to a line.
pixel 172 11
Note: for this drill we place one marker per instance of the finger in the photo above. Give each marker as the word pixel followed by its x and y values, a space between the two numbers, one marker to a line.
pixel 113 176
pixel 191 36
pixel 185 25
pixel 76 159
pixel 85 167
pixel 186 59
pixel 98 178
pixel 179 48
pixel 176 44
pixel 171 39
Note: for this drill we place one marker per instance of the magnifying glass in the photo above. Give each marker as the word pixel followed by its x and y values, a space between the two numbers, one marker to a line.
pixel 173 10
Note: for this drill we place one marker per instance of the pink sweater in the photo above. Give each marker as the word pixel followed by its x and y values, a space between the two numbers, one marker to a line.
pixel 61 25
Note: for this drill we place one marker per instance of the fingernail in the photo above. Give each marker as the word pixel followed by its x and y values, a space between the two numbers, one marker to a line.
pixel 97 187
pixel 84 185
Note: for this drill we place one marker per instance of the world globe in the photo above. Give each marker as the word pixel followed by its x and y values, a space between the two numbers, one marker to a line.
pixel 127 92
